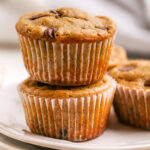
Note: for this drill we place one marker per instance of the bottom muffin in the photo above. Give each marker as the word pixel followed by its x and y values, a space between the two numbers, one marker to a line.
pixel 132 97
pixel 71 113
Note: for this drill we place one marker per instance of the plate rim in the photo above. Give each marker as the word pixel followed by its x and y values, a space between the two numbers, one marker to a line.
pixel 33 139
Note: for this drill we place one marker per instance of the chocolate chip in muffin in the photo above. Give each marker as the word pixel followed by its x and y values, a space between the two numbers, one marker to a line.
pixel 147 82
pixel 37 17
pixel 127 68
pixel 56 12
pixel 63 132
pixel 51 32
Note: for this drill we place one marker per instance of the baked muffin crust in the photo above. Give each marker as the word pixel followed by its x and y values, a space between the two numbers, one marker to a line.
pixel 133 73
pixel 118 55
pixel 40 89
pixel 65 25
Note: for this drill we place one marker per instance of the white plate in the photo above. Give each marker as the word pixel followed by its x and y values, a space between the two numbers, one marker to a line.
pixel 117 136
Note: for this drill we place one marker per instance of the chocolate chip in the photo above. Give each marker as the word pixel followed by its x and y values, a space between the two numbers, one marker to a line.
pixel 51 32
pixel 37 17
pixel 56 12
pixel 126 68
pixel 63 132
pixel 147 82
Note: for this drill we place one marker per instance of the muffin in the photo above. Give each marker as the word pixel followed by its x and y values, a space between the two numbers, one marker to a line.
pixel 118 55
pixel 132 97
pixel 70 113
pixel 66 46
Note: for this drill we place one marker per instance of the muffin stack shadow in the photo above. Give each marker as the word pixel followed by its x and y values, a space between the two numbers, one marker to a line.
pixel 66 53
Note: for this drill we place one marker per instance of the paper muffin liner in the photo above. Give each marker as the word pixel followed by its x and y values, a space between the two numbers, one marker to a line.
pixel 74 118
pixel 132 106
pixel 65 63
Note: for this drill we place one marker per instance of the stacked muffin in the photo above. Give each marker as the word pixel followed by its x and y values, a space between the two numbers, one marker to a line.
pixel 66 52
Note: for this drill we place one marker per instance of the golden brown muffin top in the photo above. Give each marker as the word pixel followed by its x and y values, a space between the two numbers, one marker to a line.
pixel 118 55
pixel 133 73
pixel 44 90
pixel 65 25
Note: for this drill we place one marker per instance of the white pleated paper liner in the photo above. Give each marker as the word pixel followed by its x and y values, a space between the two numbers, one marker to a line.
pixel 74 118
pixel 132 106
pixel 65 63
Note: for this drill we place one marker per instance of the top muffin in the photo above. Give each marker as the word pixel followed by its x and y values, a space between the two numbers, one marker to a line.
pixel 66 24
pixel 133 73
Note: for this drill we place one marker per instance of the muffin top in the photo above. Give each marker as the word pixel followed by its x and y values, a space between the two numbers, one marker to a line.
pixel 44 90
pixel 133 73
pixel 65 25
pixel 118 55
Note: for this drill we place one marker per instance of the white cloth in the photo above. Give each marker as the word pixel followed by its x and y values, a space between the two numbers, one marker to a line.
pixel 131 16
